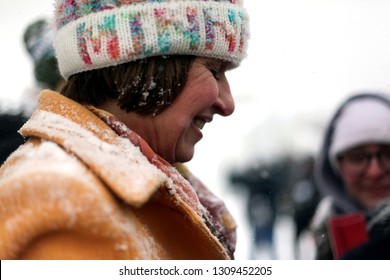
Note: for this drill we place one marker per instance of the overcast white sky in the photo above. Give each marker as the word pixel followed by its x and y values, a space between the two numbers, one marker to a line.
pixel 304 58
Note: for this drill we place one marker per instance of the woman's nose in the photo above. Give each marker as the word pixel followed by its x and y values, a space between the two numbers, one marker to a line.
pixel 225 102
pixel 374 170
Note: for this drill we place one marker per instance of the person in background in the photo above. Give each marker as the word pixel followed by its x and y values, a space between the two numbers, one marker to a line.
pixel 38 40
pixel 263 181
pixel 304 198
pixel 277 188
pixel 353 173
pixel 96 178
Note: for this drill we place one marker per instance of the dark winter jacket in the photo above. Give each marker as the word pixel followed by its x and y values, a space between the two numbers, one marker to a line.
pixel 330 184
pixel 10 139
pixel 378 247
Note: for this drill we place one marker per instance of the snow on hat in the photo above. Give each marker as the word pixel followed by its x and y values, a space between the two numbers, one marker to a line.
pixel 362 121
pixel 95 34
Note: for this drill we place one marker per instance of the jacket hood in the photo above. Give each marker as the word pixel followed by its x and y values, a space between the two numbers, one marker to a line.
pixel 327 178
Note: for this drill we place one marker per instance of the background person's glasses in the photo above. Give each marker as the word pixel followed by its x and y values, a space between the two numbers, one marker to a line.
pixel 357 162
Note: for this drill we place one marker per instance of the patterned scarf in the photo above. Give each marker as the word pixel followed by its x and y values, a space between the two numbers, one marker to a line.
pixel 188 187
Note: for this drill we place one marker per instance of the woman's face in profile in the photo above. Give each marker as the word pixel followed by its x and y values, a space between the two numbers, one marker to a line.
pixel 178 128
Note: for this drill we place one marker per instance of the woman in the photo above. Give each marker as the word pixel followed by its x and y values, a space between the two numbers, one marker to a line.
pixel 353 173
pixel 96 178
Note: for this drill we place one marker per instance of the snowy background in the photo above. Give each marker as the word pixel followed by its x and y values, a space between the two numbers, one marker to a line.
pixel 304 58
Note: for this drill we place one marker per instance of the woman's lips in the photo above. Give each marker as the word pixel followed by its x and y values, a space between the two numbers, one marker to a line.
pixel 199 123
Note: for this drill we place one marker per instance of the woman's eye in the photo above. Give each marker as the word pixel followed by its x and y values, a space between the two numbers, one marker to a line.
pixel 215 74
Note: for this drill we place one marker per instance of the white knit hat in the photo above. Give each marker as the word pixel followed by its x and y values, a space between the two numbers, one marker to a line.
pixel 362 121
pixel 94 34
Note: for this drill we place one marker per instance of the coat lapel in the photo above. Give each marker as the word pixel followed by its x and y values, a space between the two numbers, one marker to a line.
pixel 118 163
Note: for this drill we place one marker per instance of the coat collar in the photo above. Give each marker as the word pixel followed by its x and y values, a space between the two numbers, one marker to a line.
pixel 118 163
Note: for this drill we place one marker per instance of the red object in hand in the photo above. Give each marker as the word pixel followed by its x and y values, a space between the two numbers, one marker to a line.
pixel 347 232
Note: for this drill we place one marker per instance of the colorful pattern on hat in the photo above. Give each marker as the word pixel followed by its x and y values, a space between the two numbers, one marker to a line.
pixel 94 34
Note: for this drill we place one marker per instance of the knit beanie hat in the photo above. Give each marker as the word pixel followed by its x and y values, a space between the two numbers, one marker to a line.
pixel 94 34
pixel 362 121
pixel 38 39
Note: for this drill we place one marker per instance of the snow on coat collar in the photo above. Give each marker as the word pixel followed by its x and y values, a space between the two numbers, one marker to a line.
pixel 111 157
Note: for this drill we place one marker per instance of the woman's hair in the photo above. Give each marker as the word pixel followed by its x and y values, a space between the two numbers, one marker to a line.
pixel 144 86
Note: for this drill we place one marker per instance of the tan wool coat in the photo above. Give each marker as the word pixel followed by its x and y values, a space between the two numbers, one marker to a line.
pixel 77 190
